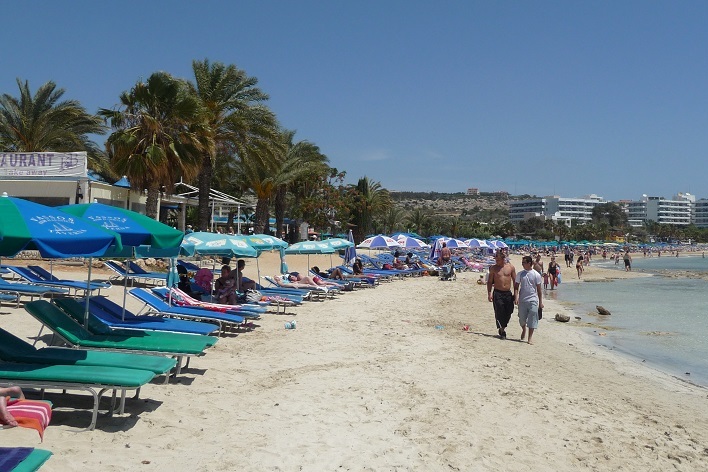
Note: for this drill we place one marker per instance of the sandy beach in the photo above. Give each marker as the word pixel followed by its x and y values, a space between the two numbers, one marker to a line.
pixel 387 379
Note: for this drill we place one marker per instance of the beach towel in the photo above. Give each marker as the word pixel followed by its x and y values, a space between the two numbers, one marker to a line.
pixel 11 457
pixel 33 414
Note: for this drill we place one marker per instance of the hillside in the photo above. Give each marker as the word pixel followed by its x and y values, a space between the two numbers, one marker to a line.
pixel 454 204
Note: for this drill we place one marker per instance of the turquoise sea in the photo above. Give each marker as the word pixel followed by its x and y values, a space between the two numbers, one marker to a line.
pixel 660 320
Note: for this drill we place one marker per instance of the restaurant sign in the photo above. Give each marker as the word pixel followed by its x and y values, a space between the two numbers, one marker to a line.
pixel 43 164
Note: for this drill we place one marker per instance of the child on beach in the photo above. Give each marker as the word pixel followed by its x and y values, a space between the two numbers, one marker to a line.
pixel 545 281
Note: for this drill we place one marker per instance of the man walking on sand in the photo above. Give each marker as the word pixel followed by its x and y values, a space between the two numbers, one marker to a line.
pixel 501 278
pixel 528 297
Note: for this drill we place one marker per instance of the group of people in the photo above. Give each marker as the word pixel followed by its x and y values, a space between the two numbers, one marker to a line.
pixel 232 282
pixel 527 294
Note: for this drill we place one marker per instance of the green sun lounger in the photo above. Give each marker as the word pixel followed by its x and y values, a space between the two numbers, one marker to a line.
pixel 95 379
pixel 14 349
pixel 159 344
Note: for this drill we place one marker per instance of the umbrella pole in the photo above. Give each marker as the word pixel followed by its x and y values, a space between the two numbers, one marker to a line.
pixel 125 287
pixel 88 293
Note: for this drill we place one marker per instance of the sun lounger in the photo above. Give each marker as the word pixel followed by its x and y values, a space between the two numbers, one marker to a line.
pixel 31 276
pixel 76 311
pixel 14 349
pixel 316 292
pixel 159 305
pixel 140 342
pixel 112 316
pixel 178 297
pixel 75 377
pixel 19 290
pixel 120 273
pixel 22 459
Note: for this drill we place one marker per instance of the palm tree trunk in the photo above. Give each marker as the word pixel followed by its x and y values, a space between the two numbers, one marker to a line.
pixel 153 192
pixel 261 219
pixel 279 209
pixel 204 184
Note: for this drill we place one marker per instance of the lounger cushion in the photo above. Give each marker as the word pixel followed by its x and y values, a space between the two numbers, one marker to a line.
pixel 14 349
pixel 75 374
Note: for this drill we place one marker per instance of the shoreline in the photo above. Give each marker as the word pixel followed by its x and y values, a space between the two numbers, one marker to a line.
pixel 368 382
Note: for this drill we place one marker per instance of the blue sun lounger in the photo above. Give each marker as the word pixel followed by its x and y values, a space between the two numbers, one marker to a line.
pixel 159 305
pixel 30 275
pixel 120 273
pixel 110 315
pixel 18 289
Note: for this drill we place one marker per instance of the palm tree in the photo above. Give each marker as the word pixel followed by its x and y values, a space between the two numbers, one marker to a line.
pixel 44 122
pixel 373 200
pixel 416 219
pixel 237 123
pixel 300 161
pixel 157 135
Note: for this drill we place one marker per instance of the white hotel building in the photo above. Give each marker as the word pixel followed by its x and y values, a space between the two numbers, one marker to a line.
pixel 678 211
pixel 554 207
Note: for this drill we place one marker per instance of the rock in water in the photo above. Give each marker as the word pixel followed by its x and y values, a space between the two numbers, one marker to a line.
pixel 601 310
pixel 562 318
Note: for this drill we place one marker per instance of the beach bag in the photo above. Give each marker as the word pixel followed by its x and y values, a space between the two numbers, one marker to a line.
pixel 204 278
pixel 253 296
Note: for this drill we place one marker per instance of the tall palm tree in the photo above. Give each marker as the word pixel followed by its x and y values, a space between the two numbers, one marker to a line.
pixel 373 200
pixel 300 160
pixel 237 123
pixel 157 135
pixel 43 122
pixel 416 219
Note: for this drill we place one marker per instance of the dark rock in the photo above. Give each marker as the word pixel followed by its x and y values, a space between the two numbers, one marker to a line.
pixel 601 310
pixel 562 318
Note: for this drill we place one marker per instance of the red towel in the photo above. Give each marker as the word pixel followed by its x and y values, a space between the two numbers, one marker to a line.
pixel 31 414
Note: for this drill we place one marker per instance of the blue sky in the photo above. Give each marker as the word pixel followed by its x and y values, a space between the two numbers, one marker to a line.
pixel 538 97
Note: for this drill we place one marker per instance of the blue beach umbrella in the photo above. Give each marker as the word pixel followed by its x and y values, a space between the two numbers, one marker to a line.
pixel 134 228
pixel 25 225
pixel 380 241
pixel 309 247
pixel 216 244
pixel 411 243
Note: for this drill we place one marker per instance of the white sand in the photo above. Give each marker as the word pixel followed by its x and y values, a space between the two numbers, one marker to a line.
pixel 367 382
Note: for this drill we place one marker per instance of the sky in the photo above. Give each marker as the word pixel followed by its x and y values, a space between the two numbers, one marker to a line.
pixel 563 97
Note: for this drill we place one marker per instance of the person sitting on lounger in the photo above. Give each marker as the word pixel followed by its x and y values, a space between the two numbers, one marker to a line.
pixel 358 267
pixel 225 287
pixel 243 283
pixel 6 417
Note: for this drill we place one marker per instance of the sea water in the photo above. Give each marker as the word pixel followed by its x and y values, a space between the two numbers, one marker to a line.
pixel 659 320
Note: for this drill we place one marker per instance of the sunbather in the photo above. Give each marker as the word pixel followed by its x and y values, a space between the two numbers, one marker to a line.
pixel 292 283
pixel 322 281
pixel 5 417
pixel 335 273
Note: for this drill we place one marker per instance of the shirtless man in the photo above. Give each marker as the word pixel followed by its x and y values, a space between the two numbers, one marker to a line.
pixel 501 278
